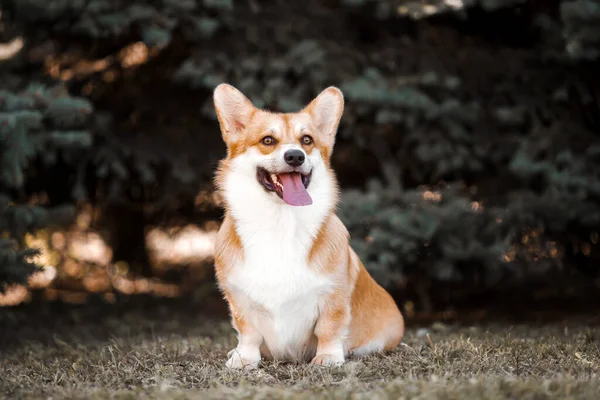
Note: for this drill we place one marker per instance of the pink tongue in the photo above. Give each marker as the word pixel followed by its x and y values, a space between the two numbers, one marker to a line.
pixel 294 192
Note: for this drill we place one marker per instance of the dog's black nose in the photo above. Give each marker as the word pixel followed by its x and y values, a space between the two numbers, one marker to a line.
pixel 295 158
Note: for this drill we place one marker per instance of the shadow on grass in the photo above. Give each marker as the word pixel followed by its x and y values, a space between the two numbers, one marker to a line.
pixel 98 322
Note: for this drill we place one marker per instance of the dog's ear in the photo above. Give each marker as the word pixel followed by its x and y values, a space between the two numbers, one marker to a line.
pixel 233 109
pixel 326 111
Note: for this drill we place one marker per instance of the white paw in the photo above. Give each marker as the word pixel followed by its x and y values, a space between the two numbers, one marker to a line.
pixel 328 360
pixel 238 361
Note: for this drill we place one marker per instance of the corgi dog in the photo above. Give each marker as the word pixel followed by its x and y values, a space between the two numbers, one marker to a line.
pixel 295 288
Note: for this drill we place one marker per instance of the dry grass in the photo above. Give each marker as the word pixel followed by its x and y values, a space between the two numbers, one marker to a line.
pixel 136 357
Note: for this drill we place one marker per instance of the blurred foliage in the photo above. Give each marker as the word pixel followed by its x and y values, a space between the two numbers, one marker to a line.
pixel 153 20
pixel 42 122
pixel 434 232
pixel 265 79
pixel 581 20
pixel 15 268
pixel 447 147
pixel 468 153
pixel 46 132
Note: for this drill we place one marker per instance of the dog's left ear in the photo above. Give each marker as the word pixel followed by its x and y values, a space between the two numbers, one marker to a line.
pixel 326 111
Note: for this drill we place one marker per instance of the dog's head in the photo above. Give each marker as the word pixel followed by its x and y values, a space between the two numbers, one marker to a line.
pixel 286 153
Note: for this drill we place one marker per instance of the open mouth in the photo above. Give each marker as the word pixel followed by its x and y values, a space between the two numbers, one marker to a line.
pixel 289 186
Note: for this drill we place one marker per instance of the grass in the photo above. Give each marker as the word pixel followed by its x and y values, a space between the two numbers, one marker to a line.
pixel 181 356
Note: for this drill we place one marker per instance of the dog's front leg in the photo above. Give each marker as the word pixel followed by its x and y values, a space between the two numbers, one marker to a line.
pixel 247 353
pixel 330 330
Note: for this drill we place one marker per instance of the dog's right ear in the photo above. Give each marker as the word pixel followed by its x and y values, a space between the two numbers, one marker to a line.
pixel 233 109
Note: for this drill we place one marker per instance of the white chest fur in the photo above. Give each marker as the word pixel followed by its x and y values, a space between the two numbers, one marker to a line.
pixel 280 294
pixel 274 286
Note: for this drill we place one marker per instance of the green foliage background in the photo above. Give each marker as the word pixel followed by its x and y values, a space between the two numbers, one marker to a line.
pixel 469 149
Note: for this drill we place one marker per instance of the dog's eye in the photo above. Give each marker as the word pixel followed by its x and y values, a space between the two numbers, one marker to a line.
pixel 306 140
pixel 268 140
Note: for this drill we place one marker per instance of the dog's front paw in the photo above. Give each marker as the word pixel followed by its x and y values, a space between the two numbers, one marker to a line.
pixel 238 361
pixel 328 360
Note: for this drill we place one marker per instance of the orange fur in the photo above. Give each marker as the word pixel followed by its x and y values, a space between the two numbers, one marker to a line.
pixel 355 310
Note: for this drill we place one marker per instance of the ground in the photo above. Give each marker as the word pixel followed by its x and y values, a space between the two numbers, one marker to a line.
pixel 161 353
